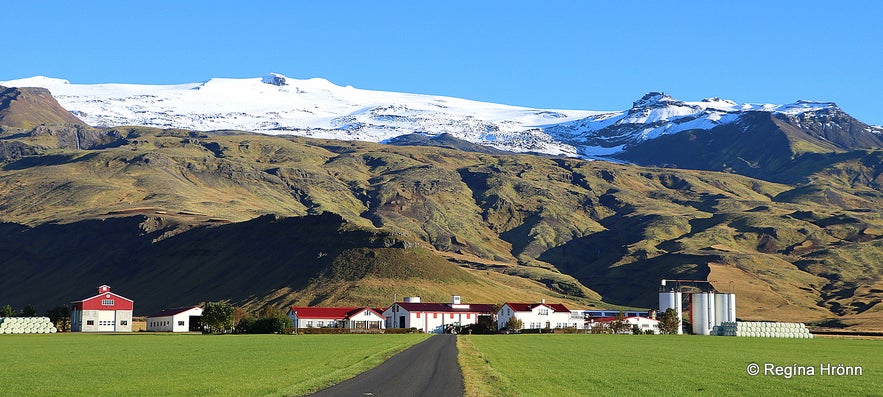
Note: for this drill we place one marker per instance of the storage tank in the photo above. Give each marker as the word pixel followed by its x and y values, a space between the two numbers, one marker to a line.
pixel 672 299
pixel 725 308
pixel 412 299
pixel 703 313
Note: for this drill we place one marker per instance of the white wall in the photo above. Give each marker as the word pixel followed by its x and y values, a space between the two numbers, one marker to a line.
pixel 541 316
pixel 102 320
pixel 429 322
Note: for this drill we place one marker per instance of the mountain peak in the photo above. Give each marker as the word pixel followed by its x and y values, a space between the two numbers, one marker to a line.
pixel 274 79
pixel 653 98
pixel 27 107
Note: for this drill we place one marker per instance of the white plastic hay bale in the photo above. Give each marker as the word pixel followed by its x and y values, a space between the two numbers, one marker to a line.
pixel 53 330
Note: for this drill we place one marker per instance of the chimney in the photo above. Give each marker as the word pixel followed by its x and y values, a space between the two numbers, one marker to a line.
pixel 543 301
pixel 455 299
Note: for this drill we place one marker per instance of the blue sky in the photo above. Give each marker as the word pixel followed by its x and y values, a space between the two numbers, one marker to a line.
pixel 594 55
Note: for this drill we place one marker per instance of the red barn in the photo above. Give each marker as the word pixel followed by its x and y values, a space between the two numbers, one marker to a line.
pixel 105 312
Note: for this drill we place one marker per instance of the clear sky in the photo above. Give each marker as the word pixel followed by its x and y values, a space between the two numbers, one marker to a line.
pixel 593 55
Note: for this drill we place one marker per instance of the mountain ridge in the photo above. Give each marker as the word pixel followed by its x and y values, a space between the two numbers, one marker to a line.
pixel 276 104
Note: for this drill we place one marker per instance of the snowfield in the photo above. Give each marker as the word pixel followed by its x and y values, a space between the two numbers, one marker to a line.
pixel 276 104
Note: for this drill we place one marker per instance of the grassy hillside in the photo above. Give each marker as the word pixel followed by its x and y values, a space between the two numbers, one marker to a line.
pixel 432 222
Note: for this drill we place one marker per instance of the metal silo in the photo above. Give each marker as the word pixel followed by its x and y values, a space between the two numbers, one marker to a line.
pixel 672 299
pixel 703 313
pixel 725 308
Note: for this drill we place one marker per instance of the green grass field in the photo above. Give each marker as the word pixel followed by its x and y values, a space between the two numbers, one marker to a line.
pixel 589 365
pixel 187 365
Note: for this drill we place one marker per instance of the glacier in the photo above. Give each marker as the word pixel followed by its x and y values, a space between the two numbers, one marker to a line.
pixel 276 104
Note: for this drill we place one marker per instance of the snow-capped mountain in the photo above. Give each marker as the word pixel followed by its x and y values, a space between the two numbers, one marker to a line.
pixel 275 104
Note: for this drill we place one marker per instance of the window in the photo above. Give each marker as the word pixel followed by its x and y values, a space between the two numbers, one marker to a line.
pixel 418 314
pixel 310 324
pixel 434 315
pixel 181 323
pixel 452 315
pixel 468 316
pixel 107 302
pixel 544 312
pixel 90 322
pixel 124 322
pixel 320 324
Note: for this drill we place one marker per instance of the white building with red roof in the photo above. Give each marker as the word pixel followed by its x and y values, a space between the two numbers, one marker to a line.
pixel 644 324
pixel 435 317
pixel 336 317
pixel 105 312
pixel 539 315
pixel 179 319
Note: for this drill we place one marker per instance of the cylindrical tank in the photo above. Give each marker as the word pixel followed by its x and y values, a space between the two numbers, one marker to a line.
pixel 703 313
pixel 725 307
pixel 672 299
pixel 412 299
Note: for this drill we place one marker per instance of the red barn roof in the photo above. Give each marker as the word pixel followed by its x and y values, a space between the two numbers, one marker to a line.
pixel 105 300
pixel 173 311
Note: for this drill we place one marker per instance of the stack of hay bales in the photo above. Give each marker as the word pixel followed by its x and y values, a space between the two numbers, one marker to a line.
pixel 26 325
pixel 762 329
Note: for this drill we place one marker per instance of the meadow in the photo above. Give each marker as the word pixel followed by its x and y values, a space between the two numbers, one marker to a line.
pixel 665 365
pixel 187 365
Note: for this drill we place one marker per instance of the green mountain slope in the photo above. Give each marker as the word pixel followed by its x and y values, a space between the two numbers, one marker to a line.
pixel 187 209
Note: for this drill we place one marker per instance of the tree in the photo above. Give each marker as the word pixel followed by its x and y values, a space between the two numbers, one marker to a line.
pixel 619 325
pixel 514 324
pixel 28 311
pixel 7 311
pixel 271 321
pixel 217 317
pixel 668 322
pixel 60 317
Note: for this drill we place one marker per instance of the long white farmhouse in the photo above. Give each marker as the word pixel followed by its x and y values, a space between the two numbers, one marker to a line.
pixel 539 315
pixel 435 317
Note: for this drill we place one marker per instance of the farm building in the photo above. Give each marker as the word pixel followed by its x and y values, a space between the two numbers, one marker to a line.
pixel 435 317
pixel 105 312
pixel 336 317
pixel 181 319
pixel 644 324
pixel 539 315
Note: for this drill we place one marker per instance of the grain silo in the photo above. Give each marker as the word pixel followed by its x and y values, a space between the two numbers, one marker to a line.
pixel 672 299
pixel 703 313
pixel 725 308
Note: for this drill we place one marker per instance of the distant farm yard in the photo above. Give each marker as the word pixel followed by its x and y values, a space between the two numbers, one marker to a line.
pixel 583 365
pixel 187 365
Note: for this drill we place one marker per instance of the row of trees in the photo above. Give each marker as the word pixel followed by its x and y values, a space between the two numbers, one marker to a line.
pixel 222 318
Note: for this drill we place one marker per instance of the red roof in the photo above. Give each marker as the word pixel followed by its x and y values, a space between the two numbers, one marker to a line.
pixel 98 302
pixel 526 307
pixel 173 312
pixel 332 313
pixel 447 307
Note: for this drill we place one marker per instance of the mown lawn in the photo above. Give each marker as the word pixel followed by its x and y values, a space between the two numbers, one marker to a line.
pixel 187 365
pixel 662 365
